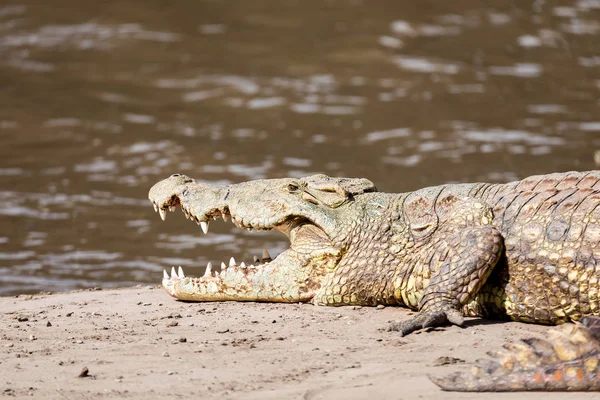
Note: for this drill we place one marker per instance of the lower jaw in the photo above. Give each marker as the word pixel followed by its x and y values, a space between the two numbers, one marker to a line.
pixel 291 277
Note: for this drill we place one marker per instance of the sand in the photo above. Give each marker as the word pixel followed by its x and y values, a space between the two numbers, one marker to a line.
pixel 138 343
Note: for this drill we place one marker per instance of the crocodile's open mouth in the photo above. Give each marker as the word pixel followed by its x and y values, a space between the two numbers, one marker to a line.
pixel 308 241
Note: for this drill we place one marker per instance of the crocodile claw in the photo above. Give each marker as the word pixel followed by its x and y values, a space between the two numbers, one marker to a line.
pixel 428 319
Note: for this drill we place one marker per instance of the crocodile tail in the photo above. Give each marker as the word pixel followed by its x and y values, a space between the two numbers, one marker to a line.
pixel 569 360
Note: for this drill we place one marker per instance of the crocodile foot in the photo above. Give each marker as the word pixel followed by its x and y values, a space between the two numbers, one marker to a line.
pixel 428 319
pixel 568 360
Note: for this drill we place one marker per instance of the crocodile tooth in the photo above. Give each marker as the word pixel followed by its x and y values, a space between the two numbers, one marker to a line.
pixel 216 274
pixel 171 208
pixel 165 275
pixel 180 273
pixel 223 266
pixel 266 255
pixel 232 262
pixel 256 260
pixel 204 226
pixel 243 265
pixel 155 207
pixel 173 273
pixel 208 269
pixel 163 213
pixel 225 217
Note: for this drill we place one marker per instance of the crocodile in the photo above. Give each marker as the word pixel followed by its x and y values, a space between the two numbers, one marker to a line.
pixel 523 251
pixel 569 359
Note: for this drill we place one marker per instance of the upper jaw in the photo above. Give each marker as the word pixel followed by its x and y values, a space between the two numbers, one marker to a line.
pixel 203 215
pixel 289 226
pixel 202 203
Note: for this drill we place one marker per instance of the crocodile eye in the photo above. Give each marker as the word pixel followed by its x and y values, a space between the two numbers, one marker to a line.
pixel 292 188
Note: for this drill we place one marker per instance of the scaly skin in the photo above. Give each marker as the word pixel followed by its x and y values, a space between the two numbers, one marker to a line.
pixel 526 251
pixel 568 360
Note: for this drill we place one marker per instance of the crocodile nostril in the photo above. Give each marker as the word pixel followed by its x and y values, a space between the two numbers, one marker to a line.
pixel 175 175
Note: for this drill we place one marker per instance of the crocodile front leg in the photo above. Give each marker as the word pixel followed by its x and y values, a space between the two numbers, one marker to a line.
pixel 450 268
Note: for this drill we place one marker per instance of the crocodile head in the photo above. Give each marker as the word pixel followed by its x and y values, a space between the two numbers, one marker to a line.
pixel 316 213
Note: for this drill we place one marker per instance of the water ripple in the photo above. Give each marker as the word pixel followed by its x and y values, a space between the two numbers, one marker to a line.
pixel 420 64
pixel 386 135
pixel 522 70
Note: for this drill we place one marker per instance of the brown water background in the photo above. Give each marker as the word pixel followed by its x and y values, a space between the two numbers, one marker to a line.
pixel 99 100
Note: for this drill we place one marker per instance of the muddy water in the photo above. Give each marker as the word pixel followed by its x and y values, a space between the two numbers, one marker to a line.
pixel 99 101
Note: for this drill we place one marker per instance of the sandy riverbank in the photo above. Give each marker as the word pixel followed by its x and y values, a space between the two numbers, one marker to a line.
pixel 139 343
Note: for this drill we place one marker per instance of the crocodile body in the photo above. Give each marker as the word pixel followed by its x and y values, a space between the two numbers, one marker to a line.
pixel 525 251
